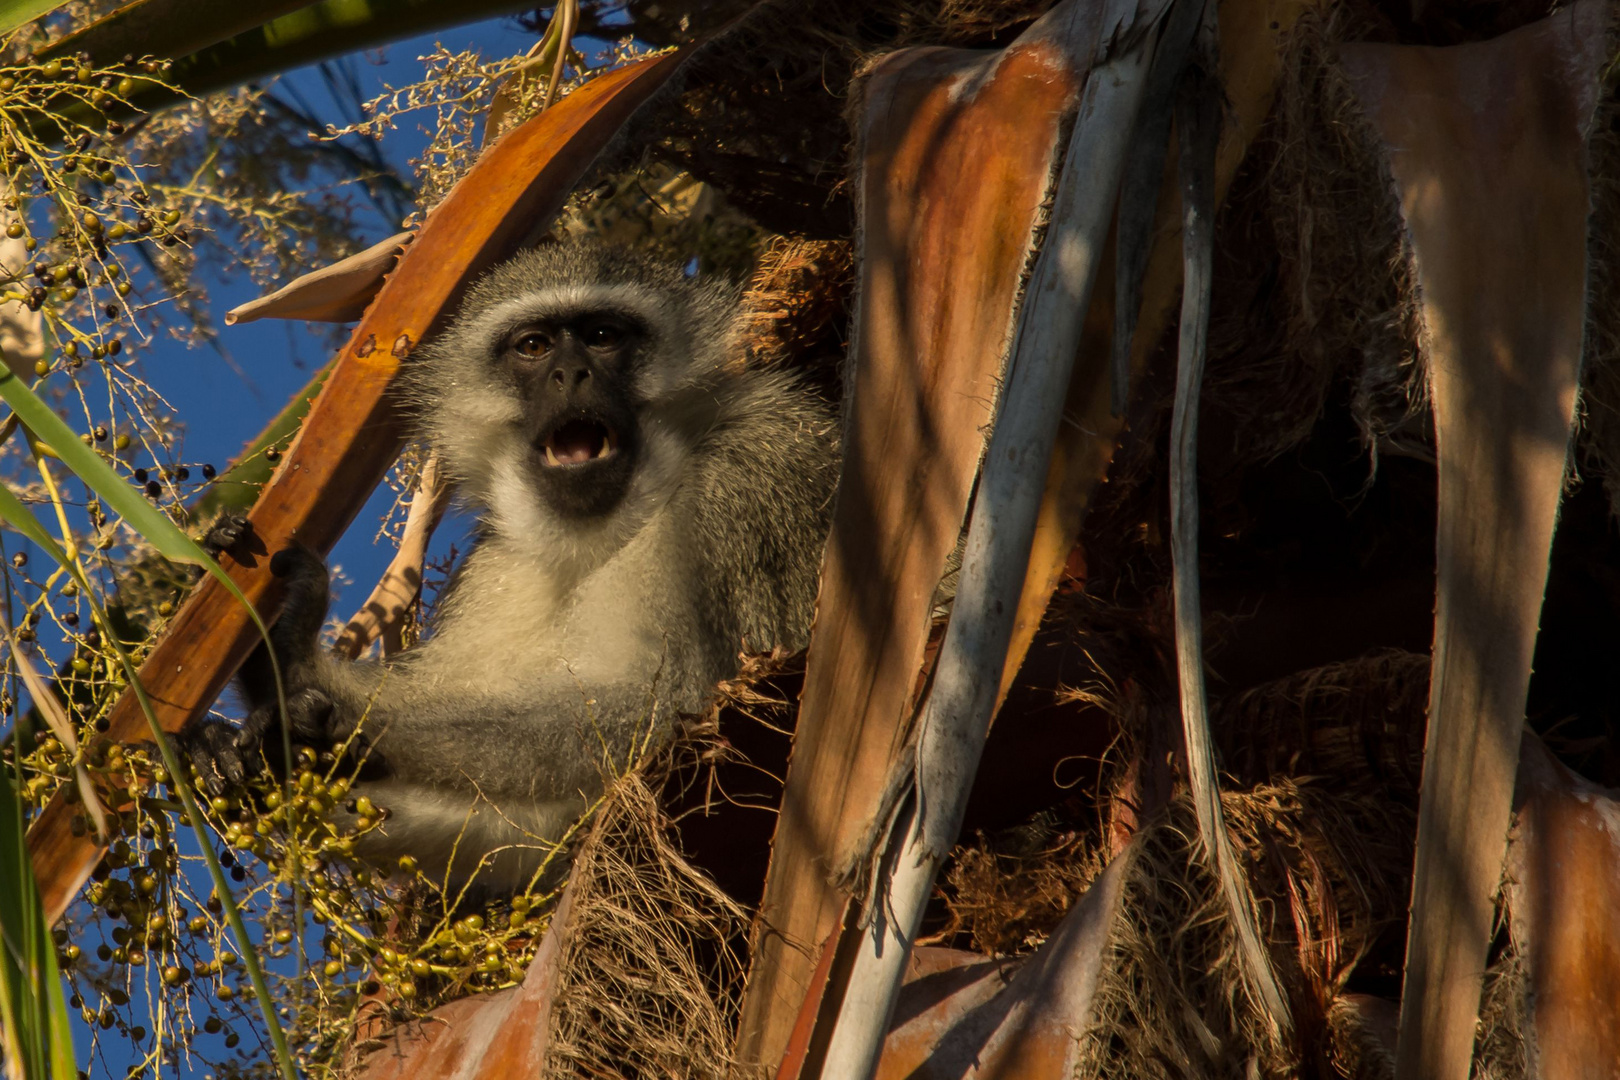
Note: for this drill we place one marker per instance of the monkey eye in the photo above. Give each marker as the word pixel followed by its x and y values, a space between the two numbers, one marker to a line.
pixel 603 336
pixel 532 343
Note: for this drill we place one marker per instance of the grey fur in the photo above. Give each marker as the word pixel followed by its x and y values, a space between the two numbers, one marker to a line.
pixel 566 643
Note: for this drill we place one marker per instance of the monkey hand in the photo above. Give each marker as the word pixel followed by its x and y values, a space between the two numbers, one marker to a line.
pixel 210 747
pixel 225 531
pixel 309 716
pixel 227 754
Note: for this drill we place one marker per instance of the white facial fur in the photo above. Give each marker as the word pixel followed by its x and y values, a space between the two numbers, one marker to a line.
pixel 474 418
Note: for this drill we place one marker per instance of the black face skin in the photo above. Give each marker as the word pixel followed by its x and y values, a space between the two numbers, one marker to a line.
pixel 574 377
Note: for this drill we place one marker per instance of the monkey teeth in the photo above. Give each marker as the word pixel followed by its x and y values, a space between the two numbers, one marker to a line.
pixel 578 443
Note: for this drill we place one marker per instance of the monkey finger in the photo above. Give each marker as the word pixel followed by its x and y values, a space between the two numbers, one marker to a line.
pixel 226 530
pixel 210 747
pixel 221 769
pixel 308 712
pixel 208 775
pixel 250 736
pixel 229 527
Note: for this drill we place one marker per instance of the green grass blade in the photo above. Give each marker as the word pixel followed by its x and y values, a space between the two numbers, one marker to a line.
pixel 15 514
pixel 169 541
pixel 33 1012
pixel 15 13
pixel 22 1044
pixel 64 1066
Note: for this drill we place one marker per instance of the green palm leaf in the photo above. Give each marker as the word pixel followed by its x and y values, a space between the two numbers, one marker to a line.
pixel 15 13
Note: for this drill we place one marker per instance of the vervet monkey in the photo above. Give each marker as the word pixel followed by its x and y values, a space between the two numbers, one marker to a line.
pixel 649 507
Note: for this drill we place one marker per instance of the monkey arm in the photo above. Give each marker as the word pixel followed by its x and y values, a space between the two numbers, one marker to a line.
pixel 439 716
pixel 551 742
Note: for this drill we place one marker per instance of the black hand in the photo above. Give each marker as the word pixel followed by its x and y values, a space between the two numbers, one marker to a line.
pixel 212 747
pixel 226 530
pixel 309 713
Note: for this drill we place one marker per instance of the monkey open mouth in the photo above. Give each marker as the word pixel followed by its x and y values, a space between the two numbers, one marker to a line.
pixel 579 442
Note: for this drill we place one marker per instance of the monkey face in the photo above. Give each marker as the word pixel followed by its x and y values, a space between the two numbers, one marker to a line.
pixel 571 390
pixel 575 379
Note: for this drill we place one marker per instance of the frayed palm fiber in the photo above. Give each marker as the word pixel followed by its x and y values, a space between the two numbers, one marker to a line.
pixel 758 108
pixel 796 305
pixel 1356 723
pixel 1313 286
pixel 1501 1049
pixel 1006 895
pixel 1329 870
pixel 649 976
pixel 1359 722
pixel 1325 837
pixel 1358 1050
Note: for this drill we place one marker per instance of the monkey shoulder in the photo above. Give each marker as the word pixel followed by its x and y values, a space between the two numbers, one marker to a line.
pixel 761 509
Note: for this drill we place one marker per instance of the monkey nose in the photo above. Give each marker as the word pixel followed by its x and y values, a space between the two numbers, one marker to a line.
pixel 570 377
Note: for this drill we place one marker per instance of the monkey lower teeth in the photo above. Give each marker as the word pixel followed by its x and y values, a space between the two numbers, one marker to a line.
pixel 577 444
